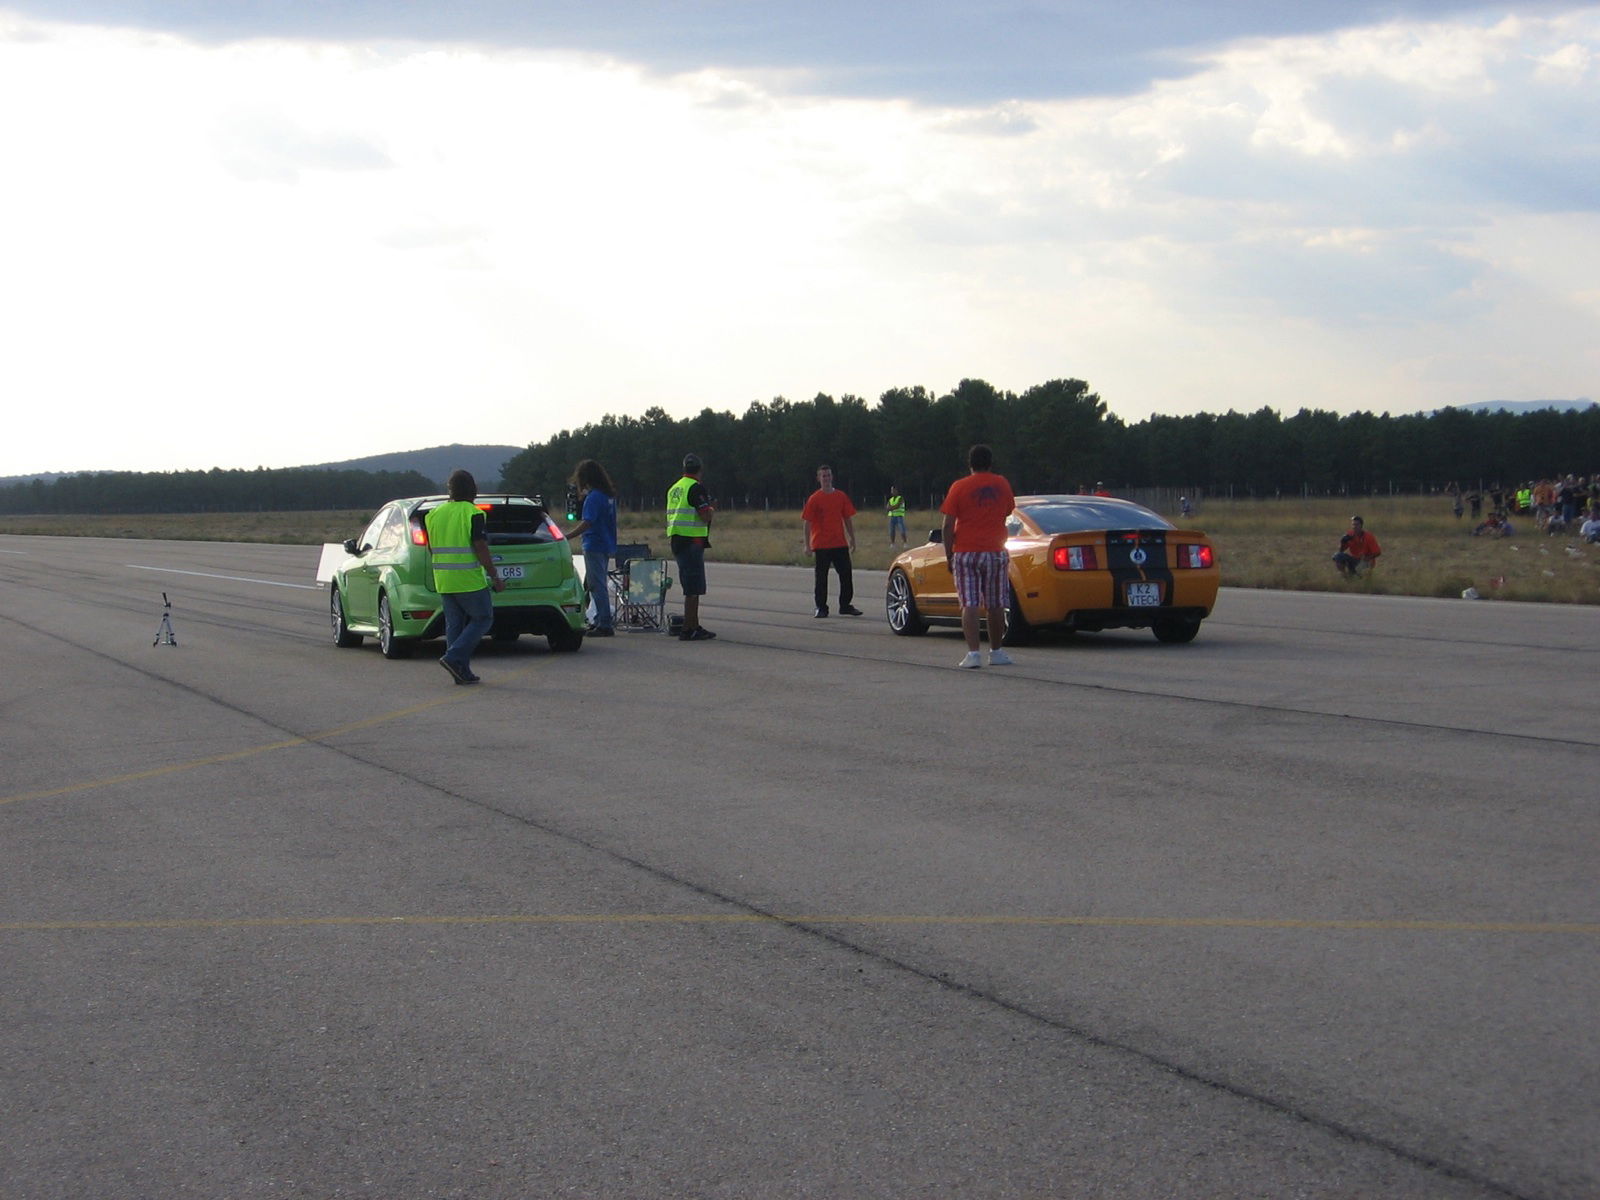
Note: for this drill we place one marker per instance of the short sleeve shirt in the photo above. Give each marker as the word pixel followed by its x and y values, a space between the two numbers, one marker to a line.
pixel 600 510
pixel 980 503
pixel 825 513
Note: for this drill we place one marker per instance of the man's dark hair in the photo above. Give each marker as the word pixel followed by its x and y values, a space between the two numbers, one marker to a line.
pixel 461 485
pixel 980 457
pixel 823 467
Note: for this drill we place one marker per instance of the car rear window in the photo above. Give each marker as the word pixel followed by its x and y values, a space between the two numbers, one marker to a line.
pixel 1081 514
pixel 508 523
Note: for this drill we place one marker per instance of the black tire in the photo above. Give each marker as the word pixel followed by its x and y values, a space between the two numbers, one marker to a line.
pixel 504 636
pixel 900 606
pixel 1176 629
pixel 1018 631
pixel 391 645
pixel 566 641
pixel 342 636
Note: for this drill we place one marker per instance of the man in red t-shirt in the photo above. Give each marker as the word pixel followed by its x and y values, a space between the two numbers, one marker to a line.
pixel 975 511
pixel 830 536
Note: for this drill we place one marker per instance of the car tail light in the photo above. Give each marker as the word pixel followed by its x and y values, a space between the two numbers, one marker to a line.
pixel 416 614
pixel 419 535
pixel 555 530
pixel 1075 558
pixel 1193 555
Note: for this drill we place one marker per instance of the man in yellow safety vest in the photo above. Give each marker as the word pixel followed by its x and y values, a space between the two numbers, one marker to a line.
pixel 897 516
pixel 464 574
pixel 689 512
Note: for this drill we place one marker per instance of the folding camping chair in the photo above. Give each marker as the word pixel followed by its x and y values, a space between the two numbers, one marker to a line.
pixel 639 586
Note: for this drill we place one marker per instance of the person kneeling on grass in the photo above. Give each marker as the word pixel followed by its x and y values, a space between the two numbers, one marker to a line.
pixel 1357 549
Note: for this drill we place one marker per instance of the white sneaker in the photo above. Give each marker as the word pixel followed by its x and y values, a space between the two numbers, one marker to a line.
pixel 999 658
pixel 973 659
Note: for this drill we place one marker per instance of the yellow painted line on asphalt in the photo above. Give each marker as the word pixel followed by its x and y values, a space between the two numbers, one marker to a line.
pixel 234 755
pixel 1385 925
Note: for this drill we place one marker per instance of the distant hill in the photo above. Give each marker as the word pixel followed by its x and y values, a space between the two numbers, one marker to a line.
pixel 436 463
pixel 42 477
pixel 1523 406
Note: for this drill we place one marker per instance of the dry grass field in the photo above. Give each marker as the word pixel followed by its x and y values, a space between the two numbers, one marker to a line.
pixel 1285 544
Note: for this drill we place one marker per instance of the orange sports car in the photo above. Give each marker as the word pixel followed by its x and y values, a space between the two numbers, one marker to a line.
pixel 1077 563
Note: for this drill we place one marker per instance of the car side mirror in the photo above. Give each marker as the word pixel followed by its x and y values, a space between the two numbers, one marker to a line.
pixel 936 536
pixel 350 546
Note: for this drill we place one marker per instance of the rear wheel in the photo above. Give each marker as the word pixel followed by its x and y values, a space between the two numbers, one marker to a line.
pixel 1176 629
pixel 1018 631
pixel 900 605
pixel 567 640
pixel 391 645
pixel 341 632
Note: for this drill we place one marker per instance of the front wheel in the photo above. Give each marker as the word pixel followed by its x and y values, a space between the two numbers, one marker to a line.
pixel 900 606
pixel 391 645
pixel 341 632
pixel 1176 629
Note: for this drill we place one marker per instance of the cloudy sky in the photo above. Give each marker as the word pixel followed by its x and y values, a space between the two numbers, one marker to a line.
pixel 274 232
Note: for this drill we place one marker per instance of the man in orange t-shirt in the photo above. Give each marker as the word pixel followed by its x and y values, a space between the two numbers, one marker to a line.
pixel 975 511
pixel 830 536
pixel 1357 549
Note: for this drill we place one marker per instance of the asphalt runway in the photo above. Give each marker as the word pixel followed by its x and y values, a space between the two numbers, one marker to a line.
pixel 1305 908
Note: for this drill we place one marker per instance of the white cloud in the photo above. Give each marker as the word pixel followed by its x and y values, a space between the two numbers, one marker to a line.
pixel 318 250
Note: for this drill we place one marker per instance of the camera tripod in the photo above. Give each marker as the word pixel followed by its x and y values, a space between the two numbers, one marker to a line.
pixel 164 634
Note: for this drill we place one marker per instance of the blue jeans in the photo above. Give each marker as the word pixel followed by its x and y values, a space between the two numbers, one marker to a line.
pixel 467 617
pixel 595 563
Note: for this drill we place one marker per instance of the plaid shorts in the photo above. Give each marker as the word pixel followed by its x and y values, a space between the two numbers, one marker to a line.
pixel 981 578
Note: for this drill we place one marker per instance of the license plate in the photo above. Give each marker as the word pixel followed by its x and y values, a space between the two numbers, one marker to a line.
pixel 511 572
pixel 1144 595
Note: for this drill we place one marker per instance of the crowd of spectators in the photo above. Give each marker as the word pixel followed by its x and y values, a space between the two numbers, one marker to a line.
pixel 1565 505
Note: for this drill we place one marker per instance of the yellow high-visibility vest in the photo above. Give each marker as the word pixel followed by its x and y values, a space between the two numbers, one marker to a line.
pixel 455 564
pixel 682 519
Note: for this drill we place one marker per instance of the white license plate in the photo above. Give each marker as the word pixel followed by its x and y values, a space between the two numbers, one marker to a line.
pixel 511 572
pixel 1144 595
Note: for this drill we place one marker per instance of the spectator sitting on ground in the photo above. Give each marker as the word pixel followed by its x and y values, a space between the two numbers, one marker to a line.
pixel 1590 531
pixel 1495 525
pixel 1357 549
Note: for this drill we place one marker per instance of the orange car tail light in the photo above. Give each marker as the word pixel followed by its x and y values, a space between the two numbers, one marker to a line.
pixel 419 535
pixel 1075 558
pixel 555 530
pixel 1192 555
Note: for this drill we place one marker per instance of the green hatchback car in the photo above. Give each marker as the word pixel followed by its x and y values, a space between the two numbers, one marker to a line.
pixel 384 587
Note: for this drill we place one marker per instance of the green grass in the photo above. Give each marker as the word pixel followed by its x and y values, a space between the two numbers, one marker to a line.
pixel 1284 544
pixel 1426 551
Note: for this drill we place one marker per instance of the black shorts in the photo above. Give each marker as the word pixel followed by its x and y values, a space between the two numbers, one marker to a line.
pixel 690 555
